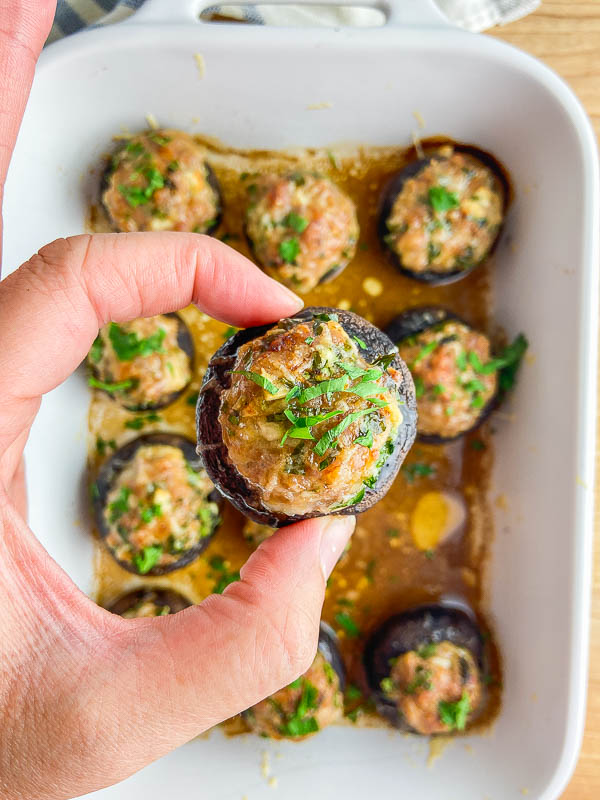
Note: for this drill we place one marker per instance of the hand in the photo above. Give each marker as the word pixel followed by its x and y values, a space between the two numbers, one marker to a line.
pixel 86 697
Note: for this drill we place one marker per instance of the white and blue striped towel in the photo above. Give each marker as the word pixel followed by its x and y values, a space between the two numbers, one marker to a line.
pixel 475 15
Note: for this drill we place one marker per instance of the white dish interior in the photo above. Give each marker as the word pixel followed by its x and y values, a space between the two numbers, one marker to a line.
pixel 256 91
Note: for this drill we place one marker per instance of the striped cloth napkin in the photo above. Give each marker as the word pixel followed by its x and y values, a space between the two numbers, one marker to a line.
pixel 474 15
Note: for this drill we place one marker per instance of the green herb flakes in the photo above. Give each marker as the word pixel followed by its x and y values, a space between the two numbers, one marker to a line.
pixel 147 558
pixel 347 624
pixel 289 250
pixel 259 380
pixel 127 344
pixel 454 715
pixel 295 222
pixel 440 199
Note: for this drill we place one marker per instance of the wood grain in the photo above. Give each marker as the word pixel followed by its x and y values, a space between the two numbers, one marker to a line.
pixel 566 36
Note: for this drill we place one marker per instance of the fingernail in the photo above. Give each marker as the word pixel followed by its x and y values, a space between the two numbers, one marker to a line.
pixel 335 537
pixel 297 301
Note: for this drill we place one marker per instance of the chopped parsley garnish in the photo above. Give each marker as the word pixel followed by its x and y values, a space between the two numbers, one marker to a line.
pixel 366 439
pixel 353 692
pixel 347 624
pixel 477 444
pixel 302 722
pixel 327 440
pixel 102 445
pixel 138 423
pixel 148 558
pixel 323 387
pixel 427 650
pixel 387 685
pixel 422 680
pixel 392 533
pixel 461 360
pixel 417 470
pixel 419 386
pixel 309 339
pixel 360 343
pixel 192 399
pixel 259 380
pixel 385 361
pixel 454 715
pixel 508 362
pixel 329 671
pixel 229 332
pixel 150 512
pixel 128 345
pixel 221 574
pixel 323 317
pixel 120 386
pixel 426 350
pixel 440 199
pixel 135 148
pixel 301 426
pixel 138 195
pixel 289 250
pixel 295 222
pixel 120 506
pixel 96 349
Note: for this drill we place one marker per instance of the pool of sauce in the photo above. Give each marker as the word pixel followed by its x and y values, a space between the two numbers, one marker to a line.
pixel 383 572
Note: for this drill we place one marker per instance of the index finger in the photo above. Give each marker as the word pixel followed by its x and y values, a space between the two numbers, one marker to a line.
pixel 54 304
pixel 25 26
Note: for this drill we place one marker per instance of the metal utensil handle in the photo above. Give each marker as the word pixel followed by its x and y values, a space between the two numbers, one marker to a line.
pixel 398 12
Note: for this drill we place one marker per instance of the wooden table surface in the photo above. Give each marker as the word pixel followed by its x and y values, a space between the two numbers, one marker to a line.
pixel 566 35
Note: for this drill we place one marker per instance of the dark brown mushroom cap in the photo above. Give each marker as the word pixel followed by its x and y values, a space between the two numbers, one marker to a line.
pixel 164 598
pixel 244 495
pixel 411 630
pixel 393 188
pixel 416 320
pixel 111 469
pixel 186 343
pixel 329 648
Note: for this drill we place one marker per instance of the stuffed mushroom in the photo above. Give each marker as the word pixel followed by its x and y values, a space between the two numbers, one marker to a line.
pixel 149 603
pixel 425 668
pixel 301 227
pixel 308 704
pixel 160 181
pixel 441 216
pixel 458 381
pixel 155 507
pixel 308 417
pixel 143 364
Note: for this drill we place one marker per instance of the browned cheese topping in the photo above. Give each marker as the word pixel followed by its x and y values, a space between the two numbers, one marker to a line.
pixel 435 688
pixel 451 367
pixel 307 419
pixel 307 705
pixel 303 228
pixel 159 181
pixel 158 508
pixel 447 216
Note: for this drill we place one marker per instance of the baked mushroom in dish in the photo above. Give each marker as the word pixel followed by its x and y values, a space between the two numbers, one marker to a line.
pixel 301 227
pixel 425 669
pixel 458 381
pixel 308 417
pixel 310 703
pixel 143 364
pixel 160 181
pixel 149 603
pixel 154 505
pixel 441 216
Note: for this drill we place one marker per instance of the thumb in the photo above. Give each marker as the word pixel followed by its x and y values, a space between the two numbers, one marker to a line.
pixel 179 675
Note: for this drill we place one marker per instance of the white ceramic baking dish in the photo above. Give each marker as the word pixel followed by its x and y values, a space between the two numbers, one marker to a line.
pixel 364 85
